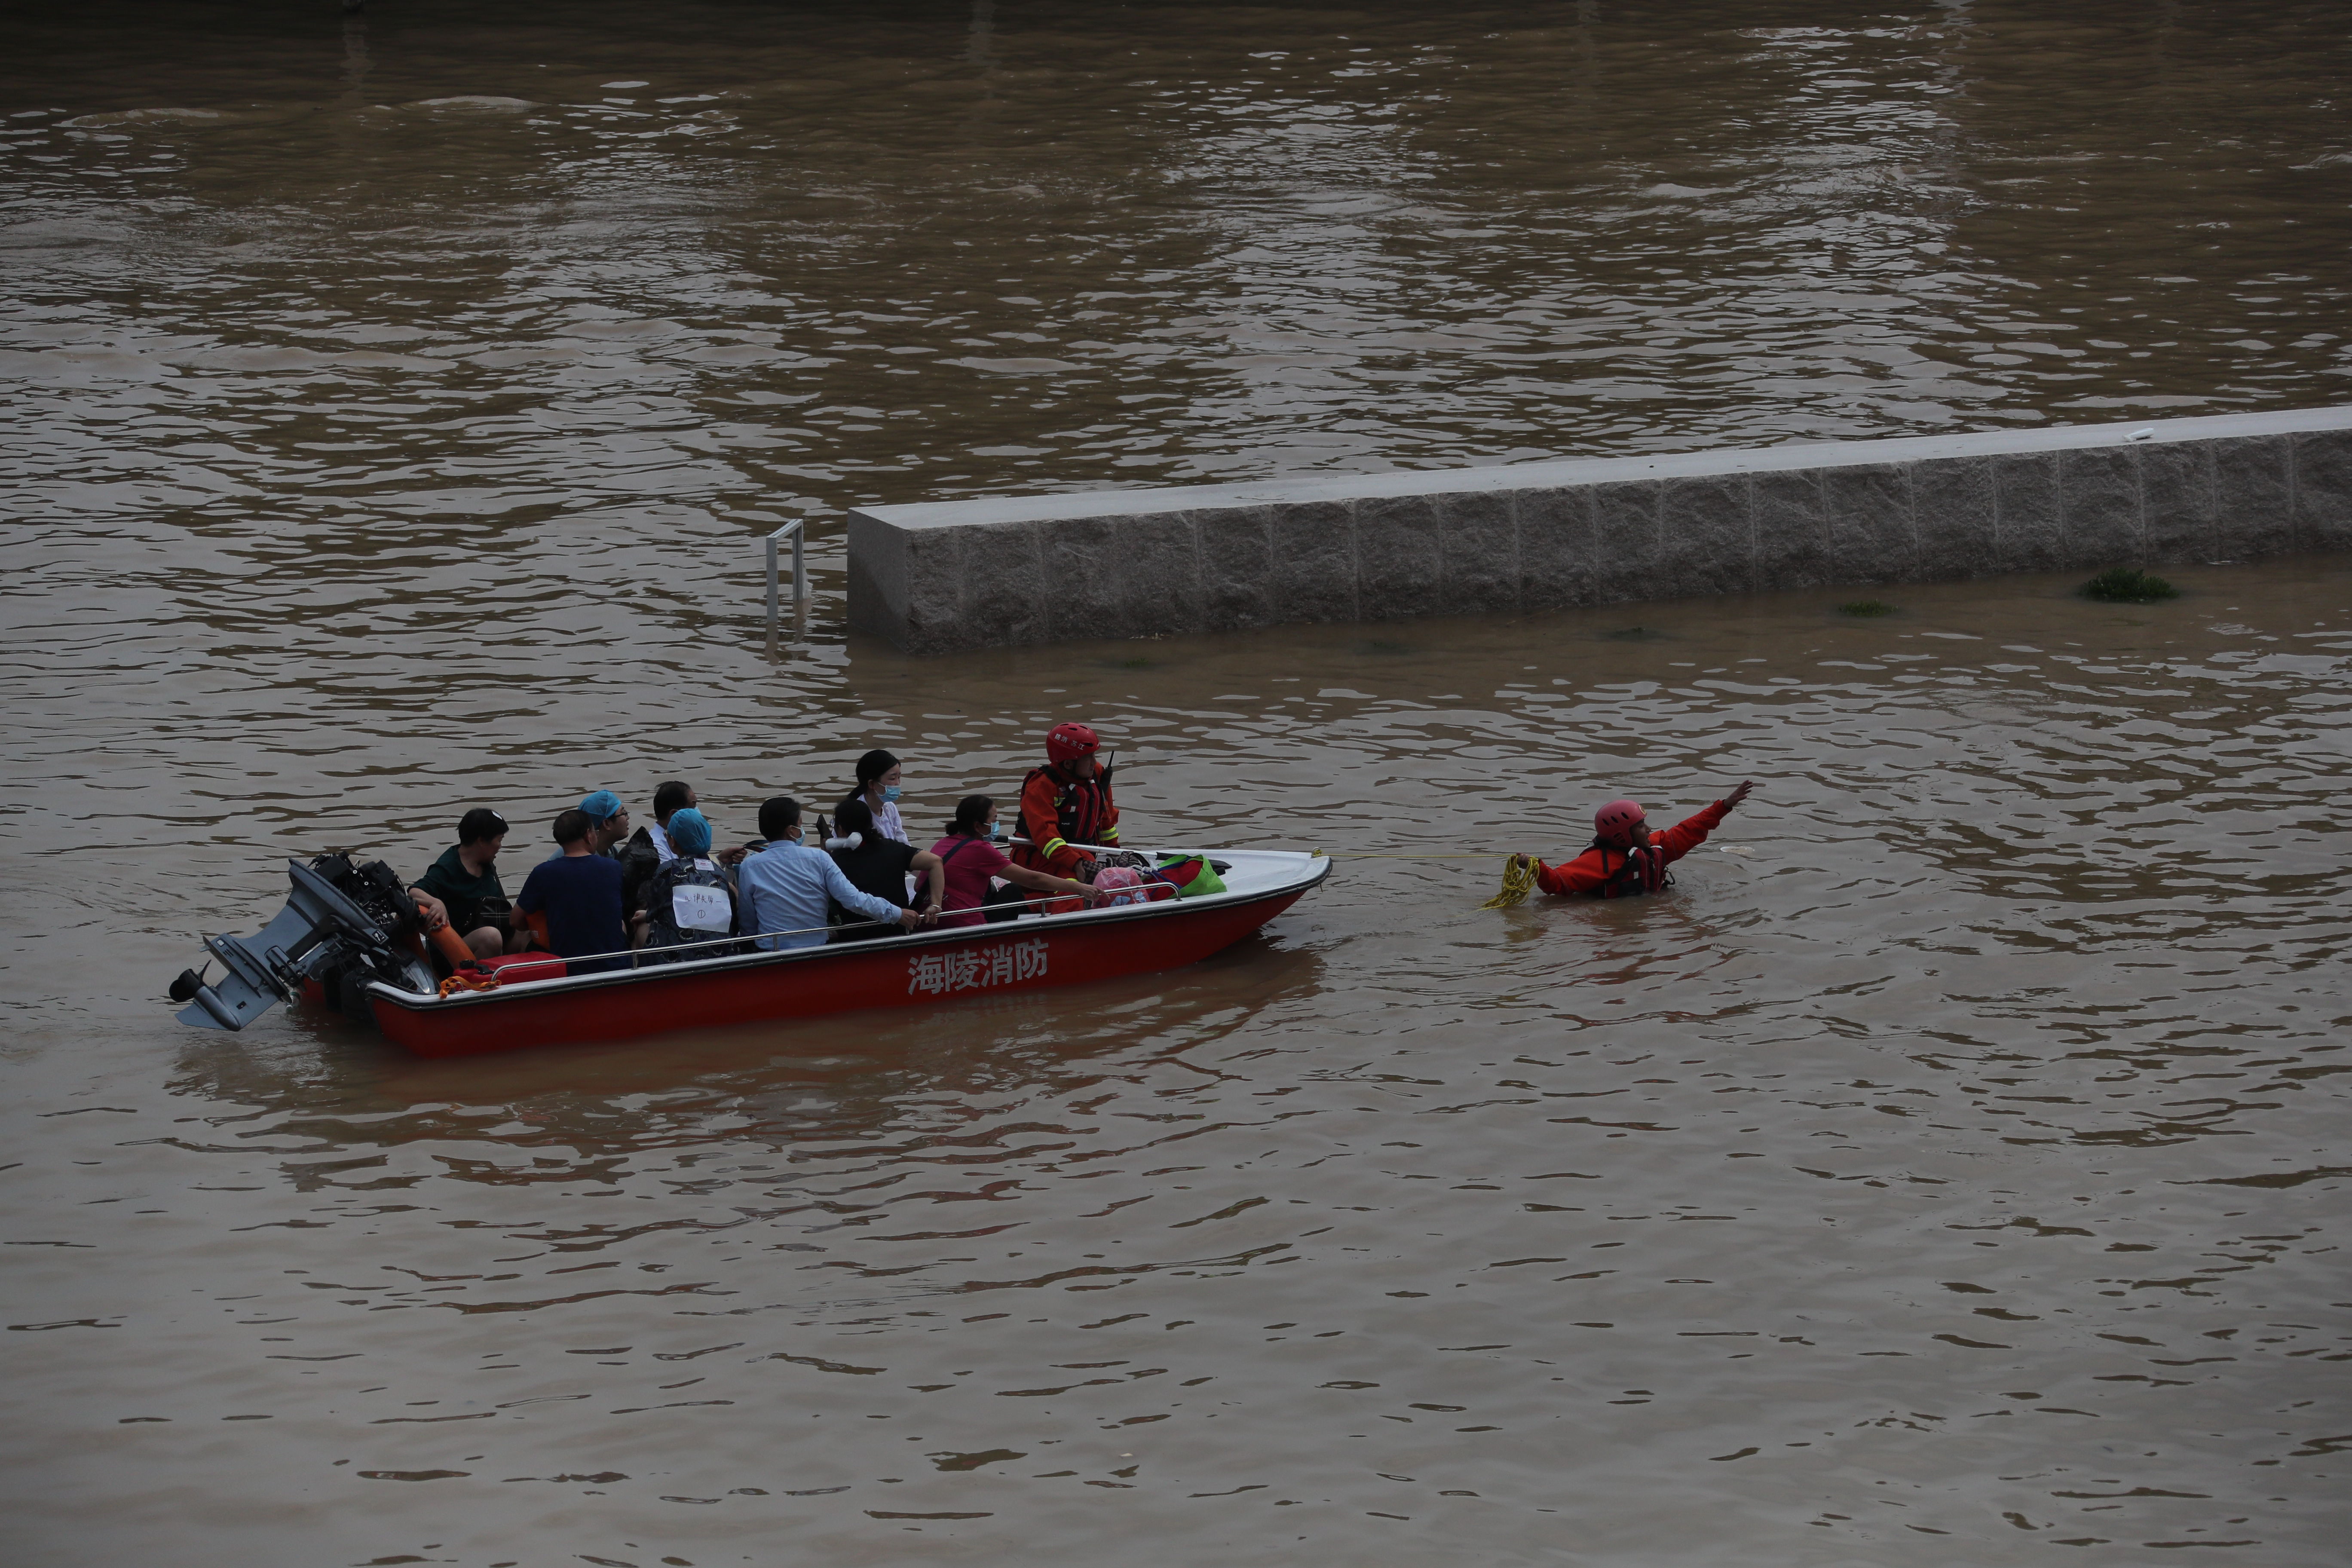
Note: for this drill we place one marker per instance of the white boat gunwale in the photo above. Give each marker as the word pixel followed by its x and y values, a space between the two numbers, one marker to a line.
pixel 1313 866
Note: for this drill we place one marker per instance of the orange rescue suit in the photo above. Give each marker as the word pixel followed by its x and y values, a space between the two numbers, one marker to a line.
pixel 1057 811
pixel 1611 871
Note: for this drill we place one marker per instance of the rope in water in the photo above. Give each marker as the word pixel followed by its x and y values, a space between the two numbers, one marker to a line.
pixel 1519 882
pixel 1381 855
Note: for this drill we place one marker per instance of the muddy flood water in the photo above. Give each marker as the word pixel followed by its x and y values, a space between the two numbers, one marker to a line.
pixel 1950 1171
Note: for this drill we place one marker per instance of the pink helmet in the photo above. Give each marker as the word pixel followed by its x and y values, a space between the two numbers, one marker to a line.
pixel 1612 821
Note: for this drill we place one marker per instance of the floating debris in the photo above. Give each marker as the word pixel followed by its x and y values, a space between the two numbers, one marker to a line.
pixel 1865 607
pixel 477 101
pixel 2127 586
pixel 137 116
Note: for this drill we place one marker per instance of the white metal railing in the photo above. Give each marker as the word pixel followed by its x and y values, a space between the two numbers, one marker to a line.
pixel 636 954
pixel 800 568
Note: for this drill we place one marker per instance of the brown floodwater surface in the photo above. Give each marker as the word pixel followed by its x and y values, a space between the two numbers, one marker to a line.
pixel 1949 1170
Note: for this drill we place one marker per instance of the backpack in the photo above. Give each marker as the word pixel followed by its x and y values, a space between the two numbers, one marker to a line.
pixel 639 860
pixel 687 901
pixel 1194 875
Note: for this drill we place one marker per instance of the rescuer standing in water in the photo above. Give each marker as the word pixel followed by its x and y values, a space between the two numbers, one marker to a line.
pixel 1626 857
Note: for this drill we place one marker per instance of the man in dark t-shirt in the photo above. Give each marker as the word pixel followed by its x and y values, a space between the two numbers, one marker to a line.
pixel 465 883
pixel 578 894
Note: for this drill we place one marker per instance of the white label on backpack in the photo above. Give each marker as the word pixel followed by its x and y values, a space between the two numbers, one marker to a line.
pixel 701 909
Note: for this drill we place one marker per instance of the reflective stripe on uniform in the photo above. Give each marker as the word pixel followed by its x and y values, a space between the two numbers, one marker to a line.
pixel 1056 846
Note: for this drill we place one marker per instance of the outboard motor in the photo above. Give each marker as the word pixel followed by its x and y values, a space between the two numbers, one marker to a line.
pixel 343 926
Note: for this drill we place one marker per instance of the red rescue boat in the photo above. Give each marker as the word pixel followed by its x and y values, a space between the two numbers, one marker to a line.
pixel 923 969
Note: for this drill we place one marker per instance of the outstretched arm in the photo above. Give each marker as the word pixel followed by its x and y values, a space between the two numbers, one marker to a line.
pixel 851 896
pixel 1046 883
pixel 1691 832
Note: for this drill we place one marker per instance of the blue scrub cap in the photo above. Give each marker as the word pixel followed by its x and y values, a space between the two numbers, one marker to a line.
pixel 689 832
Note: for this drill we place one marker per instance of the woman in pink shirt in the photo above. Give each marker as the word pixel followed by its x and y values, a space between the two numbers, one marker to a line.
pixel 969 856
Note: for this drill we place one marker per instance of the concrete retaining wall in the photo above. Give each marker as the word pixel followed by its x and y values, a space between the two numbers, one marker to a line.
pixel 1006 572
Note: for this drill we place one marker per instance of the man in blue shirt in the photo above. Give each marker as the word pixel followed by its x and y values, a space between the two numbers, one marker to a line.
pixel 784 886
pixel 579 893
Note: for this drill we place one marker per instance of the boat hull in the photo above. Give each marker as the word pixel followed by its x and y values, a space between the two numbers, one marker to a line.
pixel 922 970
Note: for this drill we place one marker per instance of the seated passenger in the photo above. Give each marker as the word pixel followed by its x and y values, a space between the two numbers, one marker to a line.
pixel 669 799
pixel 463 886
pixel 1626 857
pixel 688 904
pixel 1066 804
pixel 878 787
pixel 608 823
pixel 968 859
pixel 879 866
pixel 781 888
pixel 647 850
pixel 578 895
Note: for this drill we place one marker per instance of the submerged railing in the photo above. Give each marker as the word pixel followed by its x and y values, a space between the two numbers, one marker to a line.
pixel 795 531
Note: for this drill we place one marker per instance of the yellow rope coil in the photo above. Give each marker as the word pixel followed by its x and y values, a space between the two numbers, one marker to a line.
pixel 1519 882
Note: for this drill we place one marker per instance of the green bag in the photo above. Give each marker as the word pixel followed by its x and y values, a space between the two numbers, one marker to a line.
pixel 1193 874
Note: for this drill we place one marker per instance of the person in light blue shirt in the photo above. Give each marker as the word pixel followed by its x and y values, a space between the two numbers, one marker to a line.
pixel 784 887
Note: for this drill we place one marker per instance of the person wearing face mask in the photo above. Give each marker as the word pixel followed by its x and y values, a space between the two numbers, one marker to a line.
pixel 1626 857
pixel 878 786
pixel 782 886
pixel 969 858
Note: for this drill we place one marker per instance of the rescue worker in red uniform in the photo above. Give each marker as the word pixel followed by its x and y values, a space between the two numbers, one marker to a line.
pixel 1626 857
pixel 1067 802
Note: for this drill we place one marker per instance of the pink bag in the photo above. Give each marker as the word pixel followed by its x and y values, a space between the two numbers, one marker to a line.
pixel 1126 885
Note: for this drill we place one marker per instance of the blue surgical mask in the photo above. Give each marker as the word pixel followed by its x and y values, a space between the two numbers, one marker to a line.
pixel 889 794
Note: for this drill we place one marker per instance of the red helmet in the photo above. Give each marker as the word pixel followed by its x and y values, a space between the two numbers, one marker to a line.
pixel 1612 820
pixel 1068 742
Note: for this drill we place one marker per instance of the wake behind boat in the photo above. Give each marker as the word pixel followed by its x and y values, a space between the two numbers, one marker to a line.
pixel 346 937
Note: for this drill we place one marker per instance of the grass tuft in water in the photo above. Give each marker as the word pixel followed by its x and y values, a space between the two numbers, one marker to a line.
pixel 1383 645
pixel 1131 664
pixel 1631 633
pixel 2127 586
pixel 1865 607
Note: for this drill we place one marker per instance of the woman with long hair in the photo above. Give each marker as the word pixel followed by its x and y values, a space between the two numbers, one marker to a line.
pixel 878 781
pixel 969 857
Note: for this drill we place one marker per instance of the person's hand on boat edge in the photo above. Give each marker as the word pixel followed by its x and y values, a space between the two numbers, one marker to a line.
pixel 931 916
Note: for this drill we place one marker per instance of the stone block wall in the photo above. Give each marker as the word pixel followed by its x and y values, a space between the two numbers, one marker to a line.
pixel 1006 572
